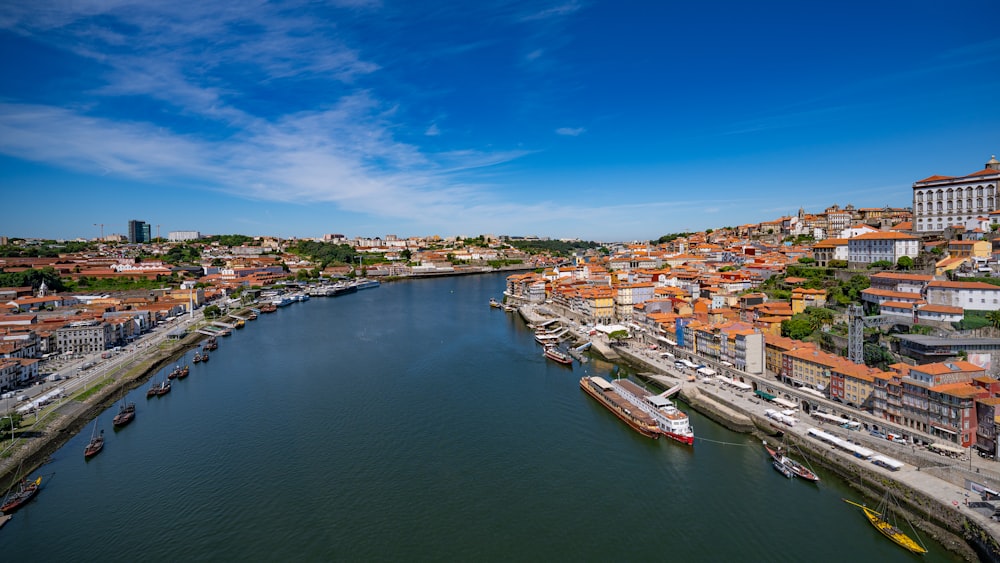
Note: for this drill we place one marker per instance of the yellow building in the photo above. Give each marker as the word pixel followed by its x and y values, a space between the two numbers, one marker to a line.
pixel 802 298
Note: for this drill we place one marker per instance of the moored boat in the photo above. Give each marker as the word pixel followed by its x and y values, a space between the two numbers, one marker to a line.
pixel 19 495
pixel 557 355
pixel 494 303
pixel 126 413
pixel 163 389
pixel 878 519
pixel 183 372
pixel 204 357
pixel 605 393
pixel 797 469
pixel 672 422
pixel 366 283
pixel 197 357
pixel 175 373
pixel 96 444
pixel 782 468
pixel 268 308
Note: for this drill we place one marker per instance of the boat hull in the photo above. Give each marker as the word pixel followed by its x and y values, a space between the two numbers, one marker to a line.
pixel 22 497
pixel 891 532
pixel 647 430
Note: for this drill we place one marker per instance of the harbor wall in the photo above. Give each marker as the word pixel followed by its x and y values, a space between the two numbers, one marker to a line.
pixel 72 417
pixel 945 523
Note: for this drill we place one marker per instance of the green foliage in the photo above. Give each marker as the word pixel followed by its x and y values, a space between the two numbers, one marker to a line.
pixel 33 278
pixel 973 320
pixel 878 356
pixel 212 311
pixel 231 240
pixel 837 263
pixel 904 263
pixel 671 237
pixel 921 329
pixel 881 264
pixel 850 291
pixel 9 422
pixel 994 318
pixel 806 260
pixel 181 253
pixel 805 324
pixel 554 247
pixel 45 249
pixel 937 251
pixel 405 254
pixel 499 263
pixel 799 326
pixel 619 335
pixel 325 253
pixel 119 284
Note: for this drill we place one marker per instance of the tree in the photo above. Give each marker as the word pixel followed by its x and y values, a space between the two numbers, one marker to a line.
pixel 798 327
pixel 904 263
pixel 837 263
pixel 994 318
pixel 212 311
pixel 937 251
pixel 619 335
pixel 406 254
pixel 806 260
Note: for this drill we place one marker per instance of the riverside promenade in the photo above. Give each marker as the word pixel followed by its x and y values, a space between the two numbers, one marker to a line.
pixel 84 393
pixel 939 501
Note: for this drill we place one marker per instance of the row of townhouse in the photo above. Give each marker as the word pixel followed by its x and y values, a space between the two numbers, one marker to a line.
pixel 939 399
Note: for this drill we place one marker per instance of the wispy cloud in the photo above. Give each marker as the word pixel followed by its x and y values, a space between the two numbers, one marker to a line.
pixel 432 131
pixel 556 11
pixel 570 131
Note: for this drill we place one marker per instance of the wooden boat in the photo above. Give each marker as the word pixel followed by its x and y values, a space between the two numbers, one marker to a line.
pixel 557 355
pixel 20 494
pixel 494 303
pixel 175 373
pixel 782 468
pixel 197 357
pixel 96 444
pixel 268 308
pixel 163 389
pixel 797 469
pixel 204 357
pixel 184 371
pixel 878 519
pixel 126 413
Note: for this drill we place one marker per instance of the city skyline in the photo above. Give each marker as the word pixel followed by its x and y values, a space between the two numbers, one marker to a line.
pixel 586 120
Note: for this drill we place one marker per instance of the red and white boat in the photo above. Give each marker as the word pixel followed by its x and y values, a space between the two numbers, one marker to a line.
pixel 672 422
pixel 799 470
pixel 557 355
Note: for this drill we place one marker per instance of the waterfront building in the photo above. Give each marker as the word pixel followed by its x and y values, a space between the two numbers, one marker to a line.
pixel 10 373
pixel 942 201
pixel 939 399
pixel 986 425
pixel 85 337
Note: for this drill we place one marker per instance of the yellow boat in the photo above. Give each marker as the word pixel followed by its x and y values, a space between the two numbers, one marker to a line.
pixel 890 531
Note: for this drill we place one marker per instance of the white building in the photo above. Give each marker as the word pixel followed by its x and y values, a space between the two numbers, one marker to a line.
pixel 178 236
pixel 942 201
pixel 873 247
pixel 977 296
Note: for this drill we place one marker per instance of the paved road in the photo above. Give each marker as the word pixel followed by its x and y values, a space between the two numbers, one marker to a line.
pixel 77 378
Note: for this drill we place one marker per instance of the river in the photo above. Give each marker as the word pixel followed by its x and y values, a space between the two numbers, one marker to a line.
pixel 414 422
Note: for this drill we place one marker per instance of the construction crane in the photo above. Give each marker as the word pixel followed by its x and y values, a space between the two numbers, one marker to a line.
pixel 856 323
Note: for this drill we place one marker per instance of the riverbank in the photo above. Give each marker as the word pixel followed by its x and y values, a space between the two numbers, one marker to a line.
pixel 931 494
pixel 69 418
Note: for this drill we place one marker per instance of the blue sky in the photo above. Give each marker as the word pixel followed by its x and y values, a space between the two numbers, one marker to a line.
pixel 594 119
